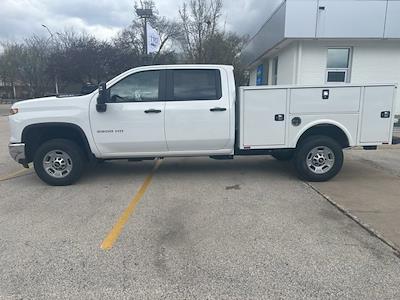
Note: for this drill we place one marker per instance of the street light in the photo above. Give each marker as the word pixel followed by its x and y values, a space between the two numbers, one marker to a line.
pixel 48 30
pixel 52 38
pixel 144 13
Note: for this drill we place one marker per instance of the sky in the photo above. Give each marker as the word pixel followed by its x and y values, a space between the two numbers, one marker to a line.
pixel 104 18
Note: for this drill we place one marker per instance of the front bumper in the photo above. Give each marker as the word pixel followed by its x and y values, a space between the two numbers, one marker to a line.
pixel 17 152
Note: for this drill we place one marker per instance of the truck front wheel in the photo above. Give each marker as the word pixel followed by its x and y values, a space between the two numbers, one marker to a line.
pixel 59 162
pixel 318 158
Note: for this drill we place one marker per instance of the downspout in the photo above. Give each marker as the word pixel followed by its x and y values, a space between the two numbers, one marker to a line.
pixel 299 54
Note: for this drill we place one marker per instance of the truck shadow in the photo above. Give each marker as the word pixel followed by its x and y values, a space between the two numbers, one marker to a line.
pixel 177 167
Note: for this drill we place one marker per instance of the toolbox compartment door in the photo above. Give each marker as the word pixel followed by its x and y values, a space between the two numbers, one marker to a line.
pixel 264 118
pixel 377 114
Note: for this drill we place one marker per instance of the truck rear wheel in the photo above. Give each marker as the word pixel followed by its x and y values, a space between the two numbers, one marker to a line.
pixel 59 162
pixel 318 158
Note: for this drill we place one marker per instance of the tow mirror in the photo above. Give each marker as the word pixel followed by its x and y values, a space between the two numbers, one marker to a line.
pixel 102 98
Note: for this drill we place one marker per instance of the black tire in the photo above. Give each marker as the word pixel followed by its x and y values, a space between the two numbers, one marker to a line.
pixel 303 158
pixel 76 158
pixel 283 155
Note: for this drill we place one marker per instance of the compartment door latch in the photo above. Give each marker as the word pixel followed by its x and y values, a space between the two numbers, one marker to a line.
pixel 325 94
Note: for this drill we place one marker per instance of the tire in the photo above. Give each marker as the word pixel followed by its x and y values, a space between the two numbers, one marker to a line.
pixel 318 158
pixel 283 155
pixel 62 158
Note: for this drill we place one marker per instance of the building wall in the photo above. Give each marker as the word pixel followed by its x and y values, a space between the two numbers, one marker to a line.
pixel 287 64
pixel 253 76
pixel 373 61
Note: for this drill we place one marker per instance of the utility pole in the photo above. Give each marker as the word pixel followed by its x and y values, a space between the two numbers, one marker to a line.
pixel 52 38
pixel 145 13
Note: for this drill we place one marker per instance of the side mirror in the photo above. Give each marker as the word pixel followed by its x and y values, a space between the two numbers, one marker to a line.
pixel 102 99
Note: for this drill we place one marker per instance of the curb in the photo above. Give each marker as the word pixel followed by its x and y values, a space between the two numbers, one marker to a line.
pixel 8 101
pixel 365 226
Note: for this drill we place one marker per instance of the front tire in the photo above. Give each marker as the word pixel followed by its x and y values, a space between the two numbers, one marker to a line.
pixel 318 158
pixel 59 162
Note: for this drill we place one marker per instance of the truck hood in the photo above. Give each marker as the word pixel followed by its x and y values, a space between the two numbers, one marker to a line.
pixel 49 103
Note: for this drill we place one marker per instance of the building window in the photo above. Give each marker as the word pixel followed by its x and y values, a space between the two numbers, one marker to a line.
pixel 274 77
pixel 338 65
pixel 260 75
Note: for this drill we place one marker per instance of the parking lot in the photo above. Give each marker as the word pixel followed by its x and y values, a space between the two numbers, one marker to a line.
pixel 199 228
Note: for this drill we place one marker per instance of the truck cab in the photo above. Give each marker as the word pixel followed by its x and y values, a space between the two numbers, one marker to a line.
pixel 166 111
pixel 192 110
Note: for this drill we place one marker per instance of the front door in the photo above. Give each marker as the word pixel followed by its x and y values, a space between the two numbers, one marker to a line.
pixel 134 121
pixel 197 113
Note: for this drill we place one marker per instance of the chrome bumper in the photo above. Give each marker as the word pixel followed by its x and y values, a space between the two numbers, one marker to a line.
pixel 17 152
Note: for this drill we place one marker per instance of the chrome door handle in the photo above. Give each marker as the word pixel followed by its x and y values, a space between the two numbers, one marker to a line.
pixel 218 109
pixel 152 111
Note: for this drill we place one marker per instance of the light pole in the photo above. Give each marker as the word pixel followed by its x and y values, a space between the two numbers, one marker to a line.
pixel 49 31
pixel 55 73
pixel 145 13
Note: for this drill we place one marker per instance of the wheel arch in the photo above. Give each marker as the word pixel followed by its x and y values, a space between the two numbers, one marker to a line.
pixel 328 128
pixel 36 134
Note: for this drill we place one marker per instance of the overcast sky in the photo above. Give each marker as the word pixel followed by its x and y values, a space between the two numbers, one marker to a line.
pixel 104 18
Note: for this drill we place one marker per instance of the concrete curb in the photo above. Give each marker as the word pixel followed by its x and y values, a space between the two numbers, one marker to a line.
pixel 8 101
pixel 365 226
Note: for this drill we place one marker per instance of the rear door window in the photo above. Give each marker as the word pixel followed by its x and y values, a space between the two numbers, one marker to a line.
pixel 191 84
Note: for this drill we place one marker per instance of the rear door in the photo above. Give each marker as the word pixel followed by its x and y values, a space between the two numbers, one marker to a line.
pixel 196 111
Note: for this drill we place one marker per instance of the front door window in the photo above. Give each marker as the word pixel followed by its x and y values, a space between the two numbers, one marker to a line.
pixel 138 87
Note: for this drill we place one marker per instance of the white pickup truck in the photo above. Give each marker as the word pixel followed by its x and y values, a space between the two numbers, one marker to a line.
pixel 192 110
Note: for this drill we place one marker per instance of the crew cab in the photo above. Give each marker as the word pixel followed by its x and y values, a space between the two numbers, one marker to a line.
pixel 195 110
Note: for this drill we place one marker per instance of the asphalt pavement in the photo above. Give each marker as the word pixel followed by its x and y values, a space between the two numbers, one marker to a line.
pixel 4 109
pixel 203 229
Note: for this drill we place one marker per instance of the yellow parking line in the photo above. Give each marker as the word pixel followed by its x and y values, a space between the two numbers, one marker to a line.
pixel 15 174
pixel 119 225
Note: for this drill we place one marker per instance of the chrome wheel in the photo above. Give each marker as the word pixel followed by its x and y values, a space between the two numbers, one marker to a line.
pixel 57 163
pixel 320 160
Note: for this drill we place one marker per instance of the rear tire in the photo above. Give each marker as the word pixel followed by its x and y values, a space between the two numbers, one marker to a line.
pixel 318 158
pixel 283 155
pixel 59 162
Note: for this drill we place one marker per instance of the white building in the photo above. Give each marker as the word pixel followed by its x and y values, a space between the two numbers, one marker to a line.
pixel 327 41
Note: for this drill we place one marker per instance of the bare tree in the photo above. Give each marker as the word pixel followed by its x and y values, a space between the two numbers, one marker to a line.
pixel 199 21
pixel 132 38
pixel 203 41
pixel 72 59
pixel 10 65
pixel 33 69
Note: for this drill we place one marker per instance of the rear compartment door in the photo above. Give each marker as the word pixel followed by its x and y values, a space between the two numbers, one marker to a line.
pixel 377 114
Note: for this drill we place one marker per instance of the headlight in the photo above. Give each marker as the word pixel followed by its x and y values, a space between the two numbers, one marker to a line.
pixel 13 111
